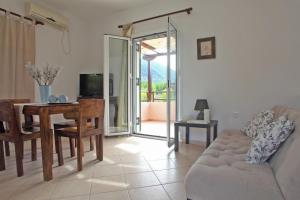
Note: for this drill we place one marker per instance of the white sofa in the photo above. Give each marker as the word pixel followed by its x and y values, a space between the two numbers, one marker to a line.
pixel 221 173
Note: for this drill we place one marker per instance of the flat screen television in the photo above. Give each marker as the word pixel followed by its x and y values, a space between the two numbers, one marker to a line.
pixel 91 85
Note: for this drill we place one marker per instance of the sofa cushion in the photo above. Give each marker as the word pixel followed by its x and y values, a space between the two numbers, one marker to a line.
pixel 222 173
pixel 267 143
pixel 286 161
pixel 258 124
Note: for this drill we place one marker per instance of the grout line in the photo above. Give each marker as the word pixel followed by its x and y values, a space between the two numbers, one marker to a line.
pixel 129 195
pixel 92 174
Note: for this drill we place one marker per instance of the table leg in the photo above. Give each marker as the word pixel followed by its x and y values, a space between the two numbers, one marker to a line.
pixel 208 136
pixel 46 142
pixel 215 131
pixel 176 138
pixel 187 134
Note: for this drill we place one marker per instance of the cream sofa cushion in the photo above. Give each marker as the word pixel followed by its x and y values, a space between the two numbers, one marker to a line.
pixel 286 161
pixel 221 173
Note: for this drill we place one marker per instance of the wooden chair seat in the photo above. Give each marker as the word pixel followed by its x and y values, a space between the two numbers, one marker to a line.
pixel 63 124
pixel 71 125
pixel 69 131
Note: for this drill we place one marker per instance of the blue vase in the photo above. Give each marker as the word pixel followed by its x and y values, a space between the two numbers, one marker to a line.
pixel 45 91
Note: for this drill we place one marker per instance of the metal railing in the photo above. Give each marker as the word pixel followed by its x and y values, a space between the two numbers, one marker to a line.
pixel 157 96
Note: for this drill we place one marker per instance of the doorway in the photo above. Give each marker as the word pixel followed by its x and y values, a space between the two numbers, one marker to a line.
pixel 141 90
pixel 155 84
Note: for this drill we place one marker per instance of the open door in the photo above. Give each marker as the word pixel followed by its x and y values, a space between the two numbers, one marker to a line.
pixel 117 93
pixel 136 93
pixel 172 80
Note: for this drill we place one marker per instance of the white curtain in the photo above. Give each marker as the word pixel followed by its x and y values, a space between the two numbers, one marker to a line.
pixel 17 48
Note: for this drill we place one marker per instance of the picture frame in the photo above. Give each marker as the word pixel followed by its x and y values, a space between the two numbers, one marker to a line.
pixel 206 48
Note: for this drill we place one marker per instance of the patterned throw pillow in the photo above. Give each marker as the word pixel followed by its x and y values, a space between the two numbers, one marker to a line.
pixel 267 143
pixel 258 124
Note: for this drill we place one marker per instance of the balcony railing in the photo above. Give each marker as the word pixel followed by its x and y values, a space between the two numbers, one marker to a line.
pixel 157 96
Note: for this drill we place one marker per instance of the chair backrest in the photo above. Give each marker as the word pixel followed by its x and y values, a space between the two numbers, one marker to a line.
pixel 91 109
pixel 28 119
pixel 8 116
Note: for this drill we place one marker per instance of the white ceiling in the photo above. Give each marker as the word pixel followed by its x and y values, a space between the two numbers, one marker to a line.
pixel 88 9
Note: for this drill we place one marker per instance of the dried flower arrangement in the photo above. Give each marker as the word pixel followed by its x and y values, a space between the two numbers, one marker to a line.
pixel 43 76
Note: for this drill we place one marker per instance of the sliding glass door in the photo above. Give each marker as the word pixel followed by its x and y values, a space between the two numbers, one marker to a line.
pixel 117 85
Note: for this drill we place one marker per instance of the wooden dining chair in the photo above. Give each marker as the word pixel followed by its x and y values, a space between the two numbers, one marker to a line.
pixel 29 122
pixel 89 109
pixel 12 132
pixel 72 122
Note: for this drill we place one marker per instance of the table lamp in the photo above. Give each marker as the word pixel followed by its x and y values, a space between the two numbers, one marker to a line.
pixel 201 105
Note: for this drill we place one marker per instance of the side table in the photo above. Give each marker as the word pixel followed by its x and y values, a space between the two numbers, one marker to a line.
pixel 188 125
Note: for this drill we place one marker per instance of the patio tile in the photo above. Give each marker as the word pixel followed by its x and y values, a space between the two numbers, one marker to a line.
pixel 176 191
pixel 108 184
pixel 119 195
pixel 141 179
pixel 71 188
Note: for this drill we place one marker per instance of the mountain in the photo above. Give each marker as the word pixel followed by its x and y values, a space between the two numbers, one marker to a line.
pixel 158 71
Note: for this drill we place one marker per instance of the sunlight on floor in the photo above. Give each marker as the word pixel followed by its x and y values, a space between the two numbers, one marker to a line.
pixel 105 182
pixel 130 148
pixel 130 164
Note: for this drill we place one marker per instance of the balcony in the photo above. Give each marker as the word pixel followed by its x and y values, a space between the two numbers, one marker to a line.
pixel 154 117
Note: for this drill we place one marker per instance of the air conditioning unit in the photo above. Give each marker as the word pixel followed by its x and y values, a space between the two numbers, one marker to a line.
pixel 36 12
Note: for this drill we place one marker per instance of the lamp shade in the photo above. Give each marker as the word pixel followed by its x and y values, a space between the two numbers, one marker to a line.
pixel 201 104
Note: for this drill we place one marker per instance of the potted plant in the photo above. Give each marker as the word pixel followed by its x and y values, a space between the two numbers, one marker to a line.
pixel 44 77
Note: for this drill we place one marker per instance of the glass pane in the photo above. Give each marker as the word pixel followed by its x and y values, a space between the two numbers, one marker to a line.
pixel 173 77
pixel 118 86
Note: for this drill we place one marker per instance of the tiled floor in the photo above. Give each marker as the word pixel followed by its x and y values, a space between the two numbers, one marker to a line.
pixel 156 128
pixel 133 169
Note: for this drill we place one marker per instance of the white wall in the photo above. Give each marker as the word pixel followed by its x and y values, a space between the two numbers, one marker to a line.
pixel 257 44
pixel 49 49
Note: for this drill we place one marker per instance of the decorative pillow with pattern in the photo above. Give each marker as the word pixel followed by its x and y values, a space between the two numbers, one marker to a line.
pixel 258 124
pixel 267 143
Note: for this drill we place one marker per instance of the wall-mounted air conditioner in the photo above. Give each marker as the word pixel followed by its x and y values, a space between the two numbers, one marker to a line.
pixel 39 13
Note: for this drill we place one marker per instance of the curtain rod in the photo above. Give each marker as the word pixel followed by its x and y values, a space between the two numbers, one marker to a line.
pixel 187 10
pixel 18 15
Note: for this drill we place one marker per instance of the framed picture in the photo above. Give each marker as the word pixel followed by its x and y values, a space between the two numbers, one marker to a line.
pixel 206 48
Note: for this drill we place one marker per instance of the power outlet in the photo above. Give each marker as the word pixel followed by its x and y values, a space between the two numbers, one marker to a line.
pixel 236 115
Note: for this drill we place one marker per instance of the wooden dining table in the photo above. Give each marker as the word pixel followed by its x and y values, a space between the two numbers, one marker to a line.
pixel 44 111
